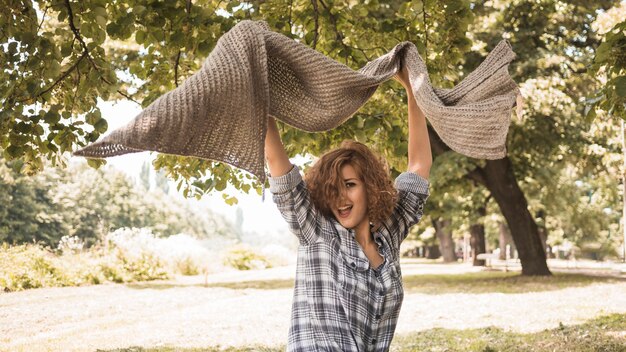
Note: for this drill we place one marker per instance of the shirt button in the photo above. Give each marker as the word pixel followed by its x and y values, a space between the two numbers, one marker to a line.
pixel 373 341
pixel 381 292
pixel 353 265
pixel 377 317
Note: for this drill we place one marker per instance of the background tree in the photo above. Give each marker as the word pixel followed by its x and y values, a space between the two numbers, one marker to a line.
pixel 87 203
pixel 28 212
pixel 144 175
pixel 609 65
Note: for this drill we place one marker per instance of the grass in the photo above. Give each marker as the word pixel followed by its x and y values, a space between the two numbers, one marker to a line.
pixel 480 282
pixel 606 333
pixel 500 282
pixel 239 285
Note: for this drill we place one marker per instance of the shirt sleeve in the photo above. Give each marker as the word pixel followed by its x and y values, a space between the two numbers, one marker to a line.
pixel 413 190
pixel 292 198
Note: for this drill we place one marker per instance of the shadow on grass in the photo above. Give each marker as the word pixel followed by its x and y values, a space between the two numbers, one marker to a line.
pixel 241 285
pixel 480 282
pixel 606 333
pixel 192 349
pixel 500 282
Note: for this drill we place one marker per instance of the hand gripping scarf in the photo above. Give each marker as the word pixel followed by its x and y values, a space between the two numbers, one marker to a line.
pixel 220 112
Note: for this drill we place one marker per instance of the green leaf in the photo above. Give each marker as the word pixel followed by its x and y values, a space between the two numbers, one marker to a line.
pixel 590 114
pixel 38 130
pixel 100 11
pixel 140 37
pixel 178 38
pixel 51 117
pixel 204 48
pixel 15 151
pixel 101 126
pixel 139 9
pixel 32 87
pixel 101 21
pixel 23 127
pixel 602 52
pixel 96 163
pixel 620 86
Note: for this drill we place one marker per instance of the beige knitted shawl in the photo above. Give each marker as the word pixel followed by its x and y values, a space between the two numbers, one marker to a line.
pixel 220 112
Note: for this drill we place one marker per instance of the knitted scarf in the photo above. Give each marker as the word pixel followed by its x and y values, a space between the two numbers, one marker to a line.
pixel 220 112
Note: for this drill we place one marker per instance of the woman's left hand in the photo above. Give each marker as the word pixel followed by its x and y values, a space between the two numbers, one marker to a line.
pixel 403 77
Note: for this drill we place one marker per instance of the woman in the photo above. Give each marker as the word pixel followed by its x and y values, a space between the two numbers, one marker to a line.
pixel 350 221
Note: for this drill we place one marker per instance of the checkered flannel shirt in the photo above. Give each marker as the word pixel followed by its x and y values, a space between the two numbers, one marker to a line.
pixel 340 303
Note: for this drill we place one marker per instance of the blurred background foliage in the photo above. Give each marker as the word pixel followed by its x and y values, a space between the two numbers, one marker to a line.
pixel 63 57
pixel 89 203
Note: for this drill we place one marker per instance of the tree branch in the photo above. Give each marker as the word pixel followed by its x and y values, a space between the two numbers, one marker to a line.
pixel 316 31
pixel 425 32
pixel 176 68
pixel 290 19
pixel 70 19
pixel 58 80
pixel 338 34
pixel 43 17
pixel 188 10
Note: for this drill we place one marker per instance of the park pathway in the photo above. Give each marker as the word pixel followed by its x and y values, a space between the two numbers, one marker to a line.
pixel 185 313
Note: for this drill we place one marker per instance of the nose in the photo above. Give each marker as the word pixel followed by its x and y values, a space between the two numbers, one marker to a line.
pixel 342 198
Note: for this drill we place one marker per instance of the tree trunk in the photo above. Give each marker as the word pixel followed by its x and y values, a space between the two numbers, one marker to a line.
pixel 477 240
pixel 446 243
pixel 500 180
pixel 498 177
pixel 432 252
pixel 505 239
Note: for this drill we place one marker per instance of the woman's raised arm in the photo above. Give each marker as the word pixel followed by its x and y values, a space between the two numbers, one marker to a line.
pixel 420 155
pixel 277 159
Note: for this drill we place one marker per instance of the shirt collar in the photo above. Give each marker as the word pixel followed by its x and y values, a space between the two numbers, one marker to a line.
pixel 350 248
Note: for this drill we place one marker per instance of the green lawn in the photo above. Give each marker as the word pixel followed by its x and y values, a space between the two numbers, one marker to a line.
pixel 607 334
pixel 497 281
pixel 480 282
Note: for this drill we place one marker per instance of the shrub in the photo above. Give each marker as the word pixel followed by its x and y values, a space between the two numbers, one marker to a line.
pixel 27 266
pixel 125 255
pixel 243 258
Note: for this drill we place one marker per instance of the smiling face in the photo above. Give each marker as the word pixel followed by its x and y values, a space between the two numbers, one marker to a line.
pixel 351 211
pixel 352 175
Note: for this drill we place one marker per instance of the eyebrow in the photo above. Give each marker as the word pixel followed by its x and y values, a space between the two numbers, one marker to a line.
pixel 348 179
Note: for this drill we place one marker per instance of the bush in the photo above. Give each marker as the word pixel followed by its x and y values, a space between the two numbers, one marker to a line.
pixel 243 258
pixel 125 255
pixel 27 266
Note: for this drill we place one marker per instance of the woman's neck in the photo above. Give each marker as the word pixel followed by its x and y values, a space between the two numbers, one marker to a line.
pixel 363 234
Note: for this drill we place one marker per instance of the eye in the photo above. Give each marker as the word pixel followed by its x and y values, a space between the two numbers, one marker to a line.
pixel 350 184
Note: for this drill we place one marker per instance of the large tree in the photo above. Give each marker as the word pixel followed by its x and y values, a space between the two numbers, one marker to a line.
pixel 62 56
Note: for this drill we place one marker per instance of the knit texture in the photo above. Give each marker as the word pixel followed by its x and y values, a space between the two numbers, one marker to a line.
pixel 220 112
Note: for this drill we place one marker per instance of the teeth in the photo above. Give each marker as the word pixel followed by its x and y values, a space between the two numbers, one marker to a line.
pixel 345 208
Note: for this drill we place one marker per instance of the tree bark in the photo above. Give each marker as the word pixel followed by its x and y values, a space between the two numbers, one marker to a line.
pixel 432 252
pixel 543 231
pixel 446 243
pixel 477 231
pixel 498 177
pixel 505 239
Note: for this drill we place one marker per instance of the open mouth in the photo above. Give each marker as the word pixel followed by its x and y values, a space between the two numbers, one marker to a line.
pixel 344 211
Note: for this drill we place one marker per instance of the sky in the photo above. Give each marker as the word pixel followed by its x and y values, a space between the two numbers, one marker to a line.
pixel 261 217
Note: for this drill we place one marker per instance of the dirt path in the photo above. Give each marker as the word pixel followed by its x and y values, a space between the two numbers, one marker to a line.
pixel 184 313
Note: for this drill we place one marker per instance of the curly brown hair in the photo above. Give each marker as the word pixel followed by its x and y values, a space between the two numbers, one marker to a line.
pixel 325 184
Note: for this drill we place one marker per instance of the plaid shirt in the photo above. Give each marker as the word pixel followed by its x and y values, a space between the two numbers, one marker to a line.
pixel 340 303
